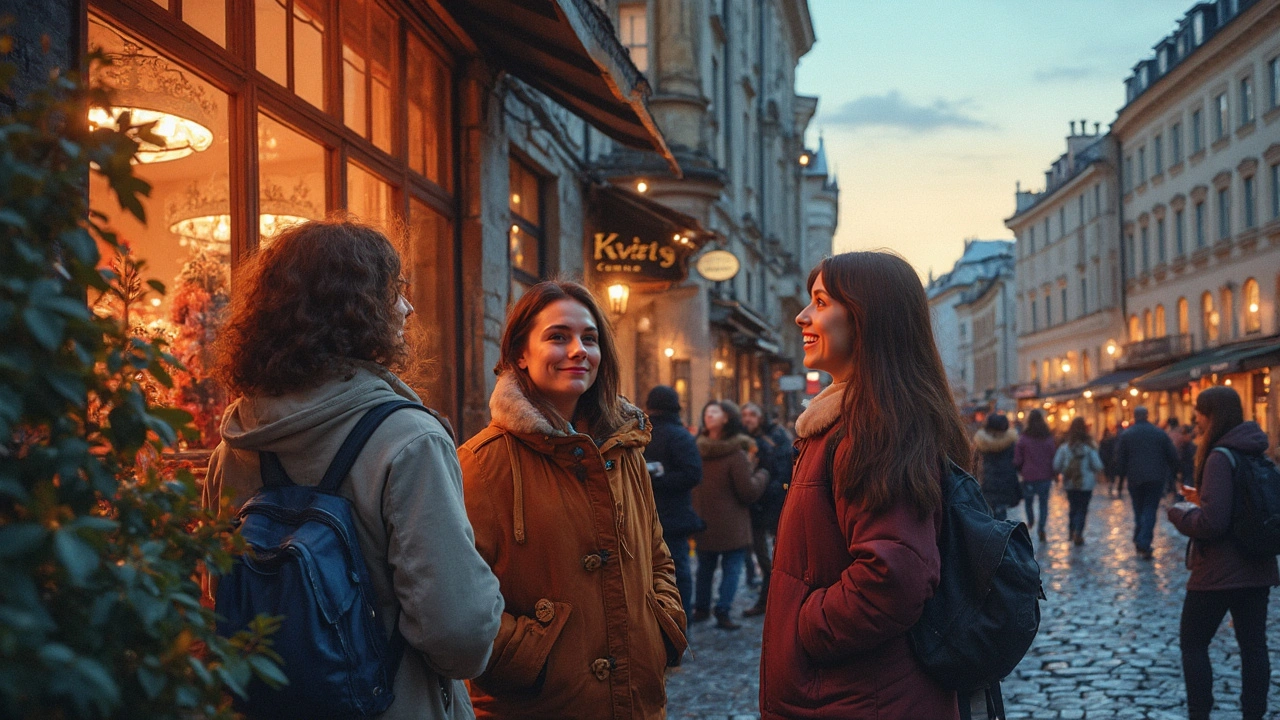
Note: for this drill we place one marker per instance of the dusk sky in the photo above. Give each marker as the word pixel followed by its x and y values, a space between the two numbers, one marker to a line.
pixel 932 110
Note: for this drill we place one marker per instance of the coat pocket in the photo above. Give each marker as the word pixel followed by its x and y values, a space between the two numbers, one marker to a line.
pixel 521 651
pixel 674 640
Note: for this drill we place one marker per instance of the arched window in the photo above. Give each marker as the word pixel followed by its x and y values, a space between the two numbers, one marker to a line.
pixel 1208 318
pixel 1044 372
pixel 1148 330
pixel 1135 328
pixel 1085 371
pixel 1252 306
pixel 1184 322
pixel 1034 374
pixel 1161 329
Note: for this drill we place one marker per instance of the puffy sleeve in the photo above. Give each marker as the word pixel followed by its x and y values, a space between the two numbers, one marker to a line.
pixel 895 569
pixel 1213 517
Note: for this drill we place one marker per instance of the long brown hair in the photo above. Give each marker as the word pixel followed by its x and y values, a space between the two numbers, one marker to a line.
pixel 600 406
pixel 321 295
pixel 901 425
pixel 1036 426
pixel 1223 408
pixel 1078 433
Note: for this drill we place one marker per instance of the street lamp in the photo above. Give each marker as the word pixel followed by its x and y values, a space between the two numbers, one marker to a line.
pixel 669 352
pixel 618 295
pixel 1066 367
pixel 642 187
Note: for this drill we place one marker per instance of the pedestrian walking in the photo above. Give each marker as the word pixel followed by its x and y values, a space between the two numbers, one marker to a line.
pixel 857 552
pixel 1222 578
pixel 1033 457
pixel 1077 462
pixel 731 481
pixel 774 453
pixel 993 450
pixel 675 469
pixel 558 493
pixel 1146 457
pixel 1107 451
pixel 315 331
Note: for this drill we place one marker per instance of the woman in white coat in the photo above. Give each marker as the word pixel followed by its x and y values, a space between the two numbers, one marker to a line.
pixel 1078 463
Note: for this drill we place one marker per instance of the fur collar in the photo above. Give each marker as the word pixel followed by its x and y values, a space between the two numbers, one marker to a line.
pixel 711 448
pixel 986 441
pixel 823 411
pixel 511 410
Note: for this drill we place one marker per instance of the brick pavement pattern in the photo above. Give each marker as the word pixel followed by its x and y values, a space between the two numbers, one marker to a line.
pixel 1107 647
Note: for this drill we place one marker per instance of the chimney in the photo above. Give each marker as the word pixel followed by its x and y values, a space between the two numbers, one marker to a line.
pixel 1097 128
pixel 1073 128
pixel 1084 127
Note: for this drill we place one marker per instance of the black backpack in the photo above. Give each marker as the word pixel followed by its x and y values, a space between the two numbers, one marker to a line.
pixel 304 563
pixel 1255 507
pixel 985 612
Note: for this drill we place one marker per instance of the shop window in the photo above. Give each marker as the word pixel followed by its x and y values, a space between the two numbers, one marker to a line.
pixel 428 266
pixel 527 236
pixel 1135 328
pixel 189 181
pixel 429 91
pixel 1252 306
pixel 1086 372
pixel 633 30
pixel 1184 322
pixel 290 178
pixel 208 17
pixel 1209 319
pixel 289 40
pixel 369 198
pixel 1160 329
pixel 369 41
pixel 1044 372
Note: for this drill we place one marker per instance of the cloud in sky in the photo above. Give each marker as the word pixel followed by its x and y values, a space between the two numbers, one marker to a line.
pixel 893 110
pixel 1066 73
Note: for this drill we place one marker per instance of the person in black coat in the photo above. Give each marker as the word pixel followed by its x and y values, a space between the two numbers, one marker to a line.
pixel 1107 450
pixel 775 453
pixel 675 468
pixel 1146 457
pixel 993 453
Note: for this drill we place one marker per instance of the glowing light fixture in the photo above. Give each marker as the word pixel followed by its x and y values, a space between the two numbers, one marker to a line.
pixel 719 365
pixel 669 352
pixel 1111 348
pixel 201 215
pixel 150 91
pixel 1066 366
pixel 1133 392
pixel 619 293
pixel 642 187
pixel 1088 394
pixel 1253 307
pixel 1227 382
pixel 804 159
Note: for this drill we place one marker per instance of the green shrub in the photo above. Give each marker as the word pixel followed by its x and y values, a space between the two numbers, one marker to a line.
pixel 100 542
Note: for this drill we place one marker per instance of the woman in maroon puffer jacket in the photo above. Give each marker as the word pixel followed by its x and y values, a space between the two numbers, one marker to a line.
pixel 857 555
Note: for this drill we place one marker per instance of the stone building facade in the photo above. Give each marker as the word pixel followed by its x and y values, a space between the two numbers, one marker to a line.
pixel 1200 140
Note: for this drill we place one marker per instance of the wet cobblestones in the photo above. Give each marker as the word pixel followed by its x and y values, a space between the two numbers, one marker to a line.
pixel 1107 647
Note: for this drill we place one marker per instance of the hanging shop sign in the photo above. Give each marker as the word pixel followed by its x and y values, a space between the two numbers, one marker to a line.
pixel 718 265
pixel 616 255
pixel 1026 391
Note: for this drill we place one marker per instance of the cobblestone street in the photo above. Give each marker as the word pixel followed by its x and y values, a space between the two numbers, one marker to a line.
pixel 1107 647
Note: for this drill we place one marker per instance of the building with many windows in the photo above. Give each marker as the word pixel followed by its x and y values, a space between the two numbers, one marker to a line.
pixel 1200 137
pixel 1068 281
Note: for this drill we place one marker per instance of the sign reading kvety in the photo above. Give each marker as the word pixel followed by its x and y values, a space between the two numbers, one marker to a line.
pixel 718 265
pixel 616 256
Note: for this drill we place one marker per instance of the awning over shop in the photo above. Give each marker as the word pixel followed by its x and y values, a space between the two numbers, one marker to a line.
pixel 749 329
pixel 1237 357
pixel 1112 381
pixel 568 50
pixel 1066 394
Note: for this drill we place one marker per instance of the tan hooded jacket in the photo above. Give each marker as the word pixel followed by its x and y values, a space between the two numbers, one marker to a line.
pixel 412 527
pixel 731 481
pixel 592 616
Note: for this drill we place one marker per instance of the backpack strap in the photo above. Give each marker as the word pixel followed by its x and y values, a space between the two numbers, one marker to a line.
pixel 272 471
pixel 355 442
pixel 1231 457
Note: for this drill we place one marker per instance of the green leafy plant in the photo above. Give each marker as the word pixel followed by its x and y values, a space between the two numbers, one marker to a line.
pixel 101 540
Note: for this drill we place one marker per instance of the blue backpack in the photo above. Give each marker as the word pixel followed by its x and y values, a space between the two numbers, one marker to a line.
pixel 304 563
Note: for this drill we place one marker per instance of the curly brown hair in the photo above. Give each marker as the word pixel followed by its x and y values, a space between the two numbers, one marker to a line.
pixel 321 295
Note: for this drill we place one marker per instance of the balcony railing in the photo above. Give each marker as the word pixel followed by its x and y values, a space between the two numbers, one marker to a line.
pixel 1154 350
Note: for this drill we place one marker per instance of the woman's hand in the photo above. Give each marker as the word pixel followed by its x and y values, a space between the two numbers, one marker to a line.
pixel 1191 494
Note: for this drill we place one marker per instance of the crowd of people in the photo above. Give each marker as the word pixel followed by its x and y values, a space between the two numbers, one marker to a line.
pixel 546 567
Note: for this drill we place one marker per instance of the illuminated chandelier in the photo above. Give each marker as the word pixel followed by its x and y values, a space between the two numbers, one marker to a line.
pixel 150 90
pixel 200 215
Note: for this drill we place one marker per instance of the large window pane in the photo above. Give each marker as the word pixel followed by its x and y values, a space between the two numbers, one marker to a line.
pixel 428 269
pixel 369 198
pixel 186 241
pixel 290 177
pixel 209 17
pixel 271 20
pixel 369 42
pixel 308 50
pixel 428 126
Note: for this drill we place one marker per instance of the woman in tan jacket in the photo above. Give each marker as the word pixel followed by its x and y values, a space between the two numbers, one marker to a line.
pixel 560 500
pixel 731 481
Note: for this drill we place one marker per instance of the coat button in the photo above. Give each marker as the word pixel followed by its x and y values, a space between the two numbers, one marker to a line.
pixel 592 562
pixel 600 668
pixel 609 464
pixel 578 452
pixel 544 611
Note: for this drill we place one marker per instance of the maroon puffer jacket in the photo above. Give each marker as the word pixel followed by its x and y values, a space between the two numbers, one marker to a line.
pixel 845 588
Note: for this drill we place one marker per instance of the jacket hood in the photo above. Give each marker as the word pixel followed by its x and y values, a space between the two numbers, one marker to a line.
pixel 512 410
pixel 1247 437
pixel 823 411
pixel 989 442
pixel 712 448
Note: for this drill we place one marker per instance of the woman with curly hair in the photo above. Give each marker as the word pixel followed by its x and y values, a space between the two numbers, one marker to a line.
pixel 316 329
pixel 560 498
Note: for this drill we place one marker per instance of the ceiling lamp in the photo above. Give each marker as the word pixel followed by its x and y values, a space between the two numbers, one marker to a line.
pixel 201 215
pixel 151 91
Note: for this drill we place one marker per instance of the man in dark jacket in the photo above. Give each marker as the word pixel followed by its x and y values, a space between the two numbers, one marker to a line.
pixel 1147 458
pixel 675 468
pixel 775 454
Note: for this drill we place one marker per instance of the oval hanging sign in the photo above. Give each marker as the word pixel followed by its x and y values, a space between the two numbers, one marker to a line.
pixel 718 265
